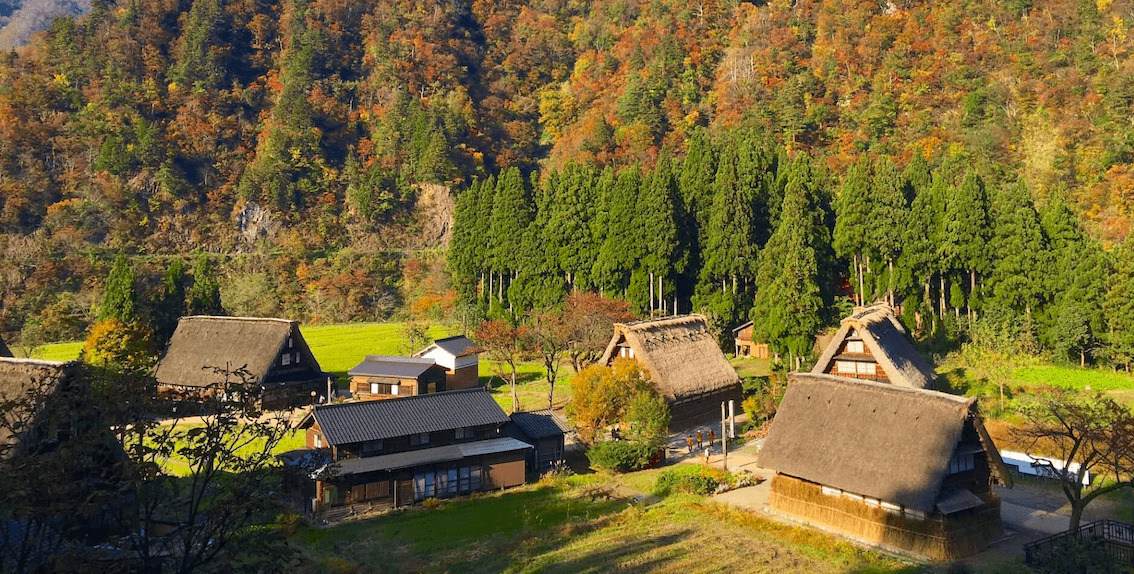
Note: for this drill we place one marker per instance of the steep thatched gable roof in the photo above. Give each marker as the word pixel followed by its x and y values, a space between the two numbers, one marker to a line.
pixel 679 353
pixel 202 342
pixel 883 441
pixel 4 351
pixel 884 336
pixel 24 382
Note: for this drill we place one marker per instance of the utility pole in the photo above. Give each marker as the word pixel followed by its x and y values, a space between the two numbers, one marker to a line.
pixel 724 436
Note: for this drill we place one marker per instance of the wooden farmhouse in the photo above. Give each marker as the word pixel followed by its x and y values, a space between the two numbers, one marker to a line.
pixel 683 361
pixel 459 357
pixel 385 454
pixel 272 350
pixel 545 431
pixel 742 340
pixel 907 468
pixel 388 377
pixel 871 344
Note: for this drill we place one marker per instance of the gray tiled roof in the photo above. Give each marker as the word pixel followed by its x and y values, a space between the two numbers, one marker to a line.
pixel 458 346
pixel 392 366
pixel 448 453
pixel 540 424
pixel 376 420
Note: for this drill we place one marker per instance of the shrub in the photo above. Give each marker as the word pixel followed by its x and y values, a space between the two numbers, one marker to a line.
pixel 431 503
pixel 693 479
pixel 621 456
pixel 288 523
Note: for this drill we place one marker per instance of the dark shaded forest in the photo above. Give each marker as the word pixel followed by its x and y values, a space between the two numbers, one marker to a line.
pixel 292 142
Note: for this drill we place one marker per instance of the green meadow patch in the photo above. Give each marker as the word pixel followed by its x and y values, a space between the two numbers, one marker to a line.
pixel 1075 378
pixel 555 526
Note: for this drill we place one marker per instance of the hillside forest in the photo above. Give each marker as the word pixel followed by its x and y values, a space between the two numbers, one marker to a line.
pixel 968 160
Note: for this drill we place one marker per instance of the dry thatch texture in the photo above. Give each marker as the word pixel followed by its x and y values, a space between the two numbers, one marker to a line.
pixel 201 343
pixel 872 439
pixel 679 353
pixel 935 537
pixel 25 384
pixel 884 336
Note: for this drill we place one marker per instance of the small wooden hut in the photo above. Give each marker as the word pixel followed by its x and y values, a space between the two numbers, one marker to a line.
pixel 545 431
pixel 388 377
pixel 683 361
pixel 272 350
pixel 907 468
pixel 742 341
pixel 871 344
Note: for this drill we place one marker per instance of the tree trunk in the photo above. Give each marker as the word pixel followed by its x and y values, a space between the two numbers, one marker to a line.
pixel 1076 516
pixel 651 293
pixel 1082 359
pixel 515 397
pixel 972 291
pixel 941 296
pixel 891 277
pixel 858 269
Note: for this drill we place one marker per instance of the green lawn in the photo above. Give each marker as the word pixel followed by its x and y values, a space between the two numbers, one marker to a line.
pixel 340 347
pixel 66 351
pixel 177 465
pixel 1076 378
pixel 554 526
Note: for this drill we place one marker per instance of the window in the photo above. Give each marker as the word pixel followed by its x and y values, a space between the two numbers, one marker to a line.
pixel 845 366
pixel 419 439
pixel 431 388
pixel 393 389
pixel 963 463
pixel 451 481
pixel 855 347
pixel 867 368
pixel 318 441
pixel 831 491
pixel 296 360
pixel 287 358
pixel 474 479
pixel 289 342
pixel 463 433
pixel 915 513
pixel 374 388
pixel 371 447
pixel 891 508
pixel 464 484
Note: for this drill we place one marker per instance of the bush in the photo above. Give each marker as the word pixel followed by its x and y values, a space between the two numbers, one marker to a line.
pixel 692 479
pixel 431 503
pixel 288 523
pixel 621 456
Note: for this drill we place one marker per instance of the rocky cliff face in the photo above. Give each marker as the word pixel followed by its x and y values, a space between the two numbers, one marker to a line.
pixel 20 19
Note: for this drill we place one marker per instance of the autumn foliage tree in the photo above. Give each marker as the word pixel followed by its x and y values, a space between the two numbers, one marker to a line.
pixel 504 343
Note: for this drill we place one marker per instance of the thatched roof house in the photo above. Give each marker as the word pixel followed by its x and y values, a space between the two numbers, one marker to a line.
pixel 26 385
pixel 4 351
pixel 871 344
pixel 683 361
pixel 905 467
pixel 272 350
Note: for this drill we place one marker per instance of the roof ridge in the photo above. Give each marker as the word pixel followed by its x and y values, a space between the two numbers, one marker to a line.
pixel 37 362
pixel 663 321
pixel 400 399
pixel 450 338
pixel 885 387
pixel 249 319
pixel 401 358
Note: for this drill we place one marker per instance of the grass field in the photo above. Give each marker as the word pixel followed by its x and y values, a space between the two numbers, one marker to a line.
pixel 1074 377
pixel 554 527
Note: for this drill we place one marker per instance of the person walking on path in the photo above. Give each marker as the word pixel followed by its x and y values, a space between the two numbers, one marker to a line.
pixel 712 438
pixel 700 438
pixel 689 443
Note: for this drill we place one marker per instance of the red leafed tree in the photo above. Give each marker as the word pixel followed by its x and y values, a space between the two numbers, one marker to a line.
pixel 503 343
pixel 549 338
pixel 588 320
